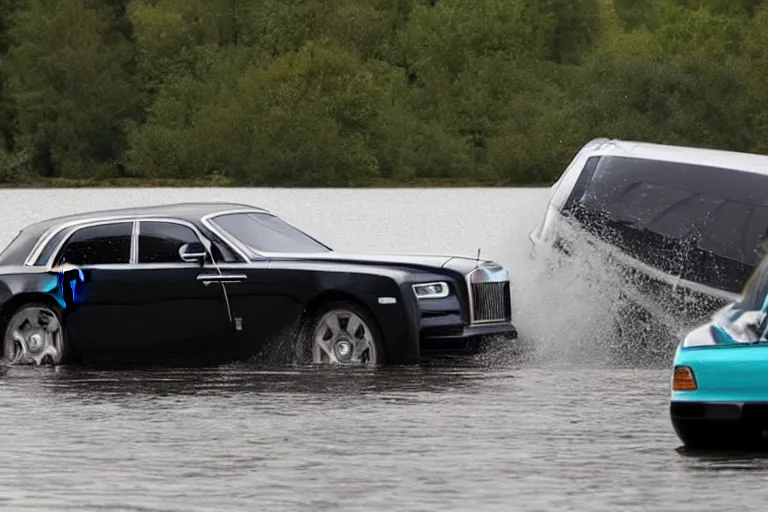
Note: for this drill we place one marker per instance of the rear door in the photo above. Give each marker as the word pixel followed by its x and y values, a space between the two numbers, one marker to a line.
pixel 95 314
pixel 141 300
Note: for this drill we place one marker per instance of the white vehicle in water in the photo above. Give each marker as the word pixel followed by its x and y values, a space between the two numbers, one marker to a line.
pixel 683 227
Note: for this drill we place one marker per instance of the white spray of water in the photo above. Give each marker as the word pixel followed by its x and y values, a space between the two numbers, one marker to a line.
pixel 568 309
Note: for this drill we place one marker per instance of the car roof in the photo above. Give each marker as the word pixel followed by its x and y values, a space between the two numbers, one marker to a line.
pixel 748 162
pixel 192 212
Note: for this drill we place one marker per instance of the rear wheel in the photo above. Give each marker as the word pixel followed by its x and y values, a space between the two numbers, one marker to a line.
pixel 342 333
pixel 34 335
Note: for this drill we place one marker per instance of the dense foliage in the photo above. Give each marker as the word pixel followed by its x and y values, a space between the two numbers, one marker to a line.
pixel 359 92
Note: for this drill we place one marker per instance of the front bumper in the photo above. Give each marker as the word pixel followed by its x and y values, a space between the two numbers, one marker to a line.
pixel 464 339
pixel 721 425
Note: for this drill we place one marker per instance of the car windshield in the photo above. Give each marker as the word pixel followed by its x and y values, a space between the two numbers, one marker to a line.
pixel 263 232
pixel 745 320
pixel 753 295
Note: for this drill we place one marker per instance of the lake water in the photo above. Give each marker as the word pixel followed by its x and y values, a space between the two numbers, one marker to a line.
pixel 561 428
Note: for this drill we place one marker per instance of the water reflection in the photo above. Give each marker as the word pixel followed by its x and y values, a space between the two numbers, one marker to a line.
pixel 244 379
pixel 723 461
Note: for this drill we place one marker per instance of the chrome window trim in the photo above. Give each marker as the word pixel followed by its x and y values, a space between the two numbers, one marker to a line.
pixel 46 237
pixel 150 266
pixel 135 233
pixel 134 244
pixel 50 233
pixel 74 229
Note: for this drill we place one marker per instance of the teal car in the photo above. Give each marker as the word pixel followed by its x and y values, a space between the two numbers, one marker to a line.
pixel 719 395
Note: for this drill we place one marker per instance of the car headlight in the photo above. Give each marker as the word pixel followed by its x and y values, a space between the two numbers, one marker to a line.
pixel 431 290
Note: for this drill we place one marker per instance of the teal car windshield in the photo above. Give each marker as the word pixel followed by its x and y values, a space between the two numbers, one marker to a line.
pixel 745 320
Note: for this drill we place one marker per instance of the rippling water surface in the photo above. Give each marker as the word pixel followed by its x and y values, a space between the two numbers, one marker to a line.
pixel 555 428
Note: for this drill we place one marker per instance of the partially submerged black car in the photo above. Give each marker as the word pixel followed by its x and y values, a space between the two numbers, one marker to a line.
pixel 683 226
pixel 207 283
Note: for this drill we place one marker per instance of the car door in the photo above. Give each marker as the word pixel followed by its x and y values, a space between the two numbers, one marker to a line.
pixel 141 300
pixel 184 307
pixel 265 306
pixel 96 311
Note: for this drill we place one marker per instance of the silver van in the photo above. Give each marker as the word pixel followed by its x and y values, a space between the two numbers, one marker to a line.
pixel 684 226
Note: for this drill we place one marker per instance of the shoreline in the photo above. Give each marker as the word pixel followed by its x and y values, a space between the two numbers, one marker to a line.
pixel 53 183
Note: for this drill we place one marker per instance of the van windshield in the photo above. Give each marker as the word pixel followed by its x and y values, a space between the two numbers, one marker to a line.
pixel 705 223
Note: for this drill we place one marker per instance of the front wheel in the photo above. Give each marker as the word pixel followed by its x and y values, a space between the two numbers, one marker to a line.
pixel 34 335
pixel 342 333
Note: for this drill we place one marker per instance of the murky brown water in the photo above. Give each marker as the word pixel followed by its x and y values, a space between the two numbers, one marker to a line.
pixel 557 429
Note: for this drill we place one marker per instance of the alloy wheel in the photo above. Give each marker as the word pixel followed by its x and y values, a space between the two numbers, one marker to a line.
pixel 343 337
pixel 34 336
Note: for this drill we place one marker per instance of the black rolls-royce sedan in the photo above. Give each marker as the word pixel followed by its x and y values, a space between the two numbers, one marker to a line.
pixel 201 283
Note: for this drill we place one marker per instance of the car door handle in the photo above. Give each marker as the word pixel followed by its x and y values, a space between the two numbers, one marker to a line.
pixel 221 278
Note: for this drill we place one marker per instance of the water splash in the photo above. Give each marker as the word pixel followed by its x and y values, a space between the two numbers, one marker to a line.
pixel 573 309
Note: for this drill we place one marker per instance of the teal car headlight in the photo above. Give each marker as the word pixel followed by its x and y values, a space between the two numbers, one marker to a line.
pixel 437 290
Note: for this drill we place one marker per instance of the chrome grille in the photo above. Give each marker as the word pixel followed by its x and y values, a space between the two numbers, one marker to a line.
pixel 490 302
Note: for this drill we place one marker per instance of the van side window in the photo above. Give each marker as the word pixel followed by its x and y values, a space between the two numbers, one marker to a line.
pixel 677 200
pixel 701 222
pixel 685 217
pixel 724 229
pixel 645 202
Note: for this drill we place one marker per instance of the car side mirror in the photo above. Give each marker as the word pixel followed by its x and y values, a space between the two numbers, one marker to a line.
pixel 193 253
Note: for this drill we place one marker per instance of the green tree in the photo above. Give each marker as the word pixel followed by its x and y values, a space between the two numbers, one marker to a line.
pixel 8 9
pixel 662 100
pixel 318 116
pixel 69 78
pixel 757 44
pixel 342 92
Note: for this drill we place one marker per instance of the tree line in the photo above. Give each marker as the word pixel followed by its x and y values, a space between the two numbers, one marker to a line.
pixel 365 92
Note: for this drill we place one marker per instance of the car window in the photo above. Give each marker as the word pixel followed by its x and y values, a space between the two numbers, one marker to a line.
pixel 722 232
pixel 755 288
pixel 714 206
pixel 703 223
pixel 756 236
pixel 52 245
pixel 159 242
pixel 264 232
pixel 643 203
pixel 98 245
pixel 613 175
pixel 685 217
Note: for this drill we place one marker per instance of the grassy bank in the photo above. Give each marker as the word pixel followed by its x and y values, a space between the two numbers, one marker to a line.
pixel 219 182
